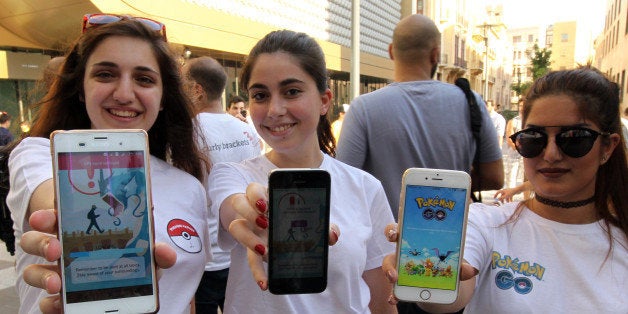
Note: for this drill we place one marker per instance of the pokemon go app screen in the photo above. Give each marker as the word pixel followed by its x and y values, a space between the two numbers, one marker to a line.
pixel 106 242
pixel 432 229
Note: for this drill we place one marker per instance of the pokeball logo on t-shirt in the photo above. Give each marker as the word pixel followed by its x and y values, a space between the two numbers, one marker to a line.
pixel 184 236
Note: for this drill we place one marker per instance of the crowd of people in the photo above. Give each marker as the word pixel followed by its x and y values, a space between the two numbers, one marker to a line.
pixel 121 74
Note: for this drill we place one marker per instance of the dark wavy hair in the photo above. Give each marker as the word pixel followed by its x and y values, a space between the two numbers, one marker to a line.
pixel 597 99
pixel 312 60
pixel 172 136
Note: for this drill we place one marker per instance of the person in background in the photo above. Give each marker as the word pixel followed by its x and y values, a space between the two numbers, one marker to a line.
pixel 6 136
pixel 336 126
pixel 514 165
pixel 236 107
pixel 566 249
pixel 498 122
pixel 225 139
pixel 417 122
pixel 51 72
pixel 285 76
pixel 120 74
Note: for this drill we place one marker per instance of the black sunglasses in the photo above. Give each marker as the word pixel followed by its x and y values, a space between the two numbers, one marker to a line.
pixel 574 142
pixel 97 19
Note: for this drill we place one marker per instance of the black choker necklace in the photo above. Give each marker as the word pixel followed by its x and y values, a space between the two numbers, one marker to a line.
pixel 554 203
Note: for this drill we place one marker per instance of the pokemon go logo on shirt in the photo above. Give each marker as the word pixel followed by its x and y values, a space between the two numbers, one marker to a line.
pixel 507 279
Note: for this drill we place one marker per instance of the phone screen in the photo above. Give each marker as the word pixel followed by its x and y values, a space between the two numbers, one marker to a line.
pixel 299 232
pixel 432 225
pixel 105 225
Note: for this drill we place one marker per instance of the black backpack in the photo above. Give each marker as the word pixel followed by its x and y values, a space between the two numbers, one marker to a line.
pixel 476 125
pixel 6 223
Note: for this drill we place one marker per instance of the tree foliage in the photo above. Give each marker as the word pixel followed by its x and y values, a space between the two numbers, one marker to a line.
pixel 539 66
pixel 540 60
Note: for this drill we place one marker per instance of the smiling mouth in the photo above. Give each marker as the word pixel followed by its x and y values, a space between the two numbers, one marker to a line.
pixel 281 128
pixel 123 113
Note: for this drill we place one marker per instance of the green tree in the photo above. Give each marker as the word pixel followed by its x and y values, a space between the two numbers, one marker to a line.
pixel 540 60
pixel 539 66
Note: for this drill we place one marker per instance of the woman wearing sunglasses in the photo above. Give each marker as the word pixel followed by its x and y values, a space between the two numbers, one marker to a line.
pixel 565 250
pixel 119 74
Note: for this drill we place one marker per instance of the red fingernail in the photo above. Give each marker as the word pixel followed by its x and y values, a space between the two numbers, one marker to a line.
pixel 260 249
pixel 262 221
pixel 260 284
pixel 261 205
pixel 335 236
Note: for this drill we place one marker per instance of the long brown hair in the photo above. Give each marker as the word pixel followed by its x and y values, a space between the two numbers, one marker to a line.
pixel 312 60
pixel 172 136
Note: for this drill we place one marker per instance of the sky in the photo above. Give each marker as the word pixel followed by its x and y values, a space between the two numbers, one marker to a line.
pixel 589 16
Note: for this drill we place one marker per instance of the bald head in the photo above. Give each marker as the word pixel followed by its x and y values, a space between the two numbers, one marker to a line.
pixel 208 73
pixel 414 38
pixel 52 70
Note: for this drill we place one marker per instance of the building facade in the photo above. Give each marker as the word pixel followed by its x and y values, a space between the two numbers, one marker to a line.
pixel 611 45
pixel 31 32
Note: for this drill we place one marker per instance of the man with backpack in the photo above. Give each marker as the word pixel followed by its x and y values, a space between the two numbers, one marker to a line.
pixel 419 122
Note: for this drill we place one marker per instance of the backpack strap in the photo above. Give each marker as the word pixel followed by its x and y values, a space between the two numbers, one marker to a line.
pixel 476 125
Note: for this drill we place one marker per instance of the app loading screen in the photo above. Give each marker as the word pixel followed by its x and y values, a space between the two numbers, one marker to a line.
pixel 106 243
pixel 432 229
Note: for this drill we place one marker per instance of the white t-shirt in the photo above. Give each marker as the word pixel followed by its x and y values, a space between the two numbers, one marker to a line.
pixel 226 139
pixel 499 122
pixel 536 265
pixel 359 208
pixel 179 200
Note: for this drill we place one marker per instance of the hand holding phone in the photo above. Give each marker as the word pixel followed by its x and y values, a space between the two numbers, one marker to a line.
pixel 298 237
pixel 432 224
pixel 102 189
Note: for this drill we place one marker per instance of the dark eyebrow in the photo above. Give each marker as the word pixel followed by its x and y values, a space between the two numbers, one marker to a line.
pixel 113 65
pixel 529 126
pixel 285 82
pixel 289 81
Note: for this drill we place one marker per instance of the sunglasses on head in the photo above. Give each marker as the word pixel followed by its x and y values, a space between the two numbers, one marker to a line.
pixel 97 19
pixel 574 142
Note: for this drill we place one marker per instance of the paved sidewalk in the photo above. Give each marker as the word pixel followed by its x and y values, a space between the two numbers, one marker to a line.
pixel 9 302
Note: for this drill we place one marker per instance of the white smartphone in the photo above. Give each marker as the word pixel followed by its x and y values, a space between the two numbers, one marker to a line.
pixel 432 225
pixel 103 200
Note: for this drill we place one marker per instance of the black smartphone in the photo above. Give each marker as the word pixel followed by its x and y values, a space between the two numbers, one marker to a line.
pixel 298 238
pixel 243 113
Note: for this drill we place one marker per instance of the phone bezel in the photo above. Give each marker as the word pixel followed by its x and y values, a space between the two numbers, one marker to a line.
pixel 303 179
pixel 432 178
pixel 111 141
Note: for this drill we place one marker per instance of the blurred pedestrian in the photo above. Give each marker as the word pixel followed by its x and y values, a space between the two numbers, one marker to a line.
pixel 498 122
pixel 236 108
pixel 6 136
pixel 336 126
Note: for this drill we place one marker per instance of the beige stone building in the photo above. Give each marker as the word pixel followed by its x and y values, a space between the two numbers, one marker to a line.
pixel 611 45
pixel 561 39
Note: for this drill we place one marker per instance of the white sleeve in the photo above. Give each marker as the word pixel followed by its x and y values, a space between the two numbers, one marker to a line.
pixel 224 181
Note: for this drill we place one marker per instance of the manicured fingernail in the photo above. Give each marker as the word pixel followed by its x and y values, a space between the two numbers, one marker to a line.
pixel 262 221
pixel 260 249
pixel 261 205
pixel 334 236
pixel 261 285
pixel 389 275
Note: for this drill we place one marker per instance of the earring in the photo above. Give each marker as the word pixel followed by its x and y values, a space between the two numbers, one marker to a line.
pixel 604 158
